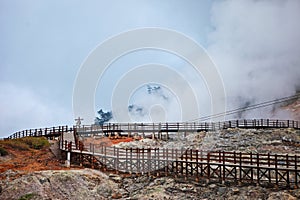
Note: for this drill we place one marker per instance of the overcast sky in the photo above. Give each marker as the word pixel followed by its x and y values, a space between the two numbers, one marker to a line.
pixel 255 45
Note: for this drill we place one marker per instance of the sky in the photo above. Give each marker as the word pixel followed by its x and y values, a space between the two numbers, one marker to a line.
pixel 255 45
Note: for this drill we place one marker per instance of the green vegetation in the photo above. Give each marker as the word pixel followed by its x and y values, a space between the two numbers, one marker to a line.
pixel 16 144
pixel 3 152
pixel 25 143
pixel 27 196
pixel 36 142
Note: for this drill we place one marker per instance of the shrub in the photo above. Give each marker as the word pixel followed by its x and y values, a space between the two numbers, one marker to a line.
pixel 36 142
pixel 27 196
pixel 3 152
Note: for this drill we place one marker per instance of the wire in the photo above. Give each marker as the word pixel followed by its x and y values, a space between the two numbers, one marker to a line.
pixel 251 107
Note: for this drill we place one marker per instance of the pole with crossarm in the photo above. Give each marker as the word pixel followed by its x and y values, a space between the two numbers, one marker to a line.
pixel 78 121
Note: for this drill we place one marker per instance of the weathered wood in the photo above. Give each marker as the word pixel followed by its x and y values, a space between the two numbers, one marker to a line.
pixel 159 128
pixel 281 170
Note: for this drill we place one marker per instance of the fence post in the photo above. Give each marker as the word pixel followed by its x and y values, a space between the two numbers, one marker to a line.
pixel 117 162
pixel 287 171
pixel 235 171
pixel 269 171
pixel 223 177
pixel 143 161
pixel 105 162
pixel 257 165
pixel 197 168
pixel 131 160
pixel 149 161
pixel 176 166
pixel 70 146
pixel 208 167
pixel 167 162
pixel 240 163
pixel 296 172
pixel 276 170
pixel 167 127
pixel 68 161
pixel 186 163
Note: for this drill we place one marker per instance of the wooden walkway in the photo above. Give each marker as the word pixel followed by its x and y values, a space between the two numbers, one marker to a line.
pixel 38 132
pixel 155 128
pixel 221 166
pixel 165 128
pixel 237 167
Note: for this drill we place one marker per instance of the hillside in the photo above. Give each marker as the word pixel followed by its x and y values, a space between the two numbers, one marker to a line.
pixel 31 168
pixel 33 172
pixel 27 155
pixel 294 109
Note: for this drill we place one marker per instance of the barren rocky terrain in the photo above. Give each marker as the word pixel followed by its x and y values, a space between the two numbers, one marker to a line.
pixel 38 174
pixel 92 184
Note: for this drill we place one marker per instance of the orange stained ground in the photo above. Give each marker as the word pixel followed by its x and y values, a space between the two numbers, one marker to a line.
pixel 26 161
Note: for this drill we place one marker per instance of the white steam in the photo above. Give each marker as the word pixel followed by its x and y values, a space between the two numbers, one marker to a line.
pixel 154 103
pixel 256 45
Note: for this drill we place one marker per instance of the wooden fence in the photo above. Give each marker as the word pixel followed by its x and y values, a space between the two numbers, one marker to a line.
pixel 46 132
pixel 221 166
pixel 273 169
pixel 156 128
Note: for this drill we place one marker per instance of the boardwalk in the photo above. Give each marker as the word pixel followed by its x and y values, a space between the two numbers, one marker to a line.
pixel 237 167
pixel 165 128
pixel 155 128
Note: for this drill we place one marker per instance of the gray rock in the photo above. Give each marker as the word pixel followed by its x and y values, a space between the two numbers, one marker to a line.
pixel 44 180
pixel 222 190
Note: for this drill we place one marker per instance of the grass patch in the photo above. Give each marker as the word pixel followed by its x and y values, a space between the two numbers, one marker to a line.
pixel 26 143
pixel 15 144
pixel 27 196
pixel 36 142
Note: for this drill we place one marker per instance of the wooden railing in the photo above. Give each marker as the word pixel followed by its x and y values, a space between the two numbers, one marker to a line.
pixel 260 123
pixel 272 169
pixel 189 163
pixel 186 127
pixel 157 127
pixel 47 132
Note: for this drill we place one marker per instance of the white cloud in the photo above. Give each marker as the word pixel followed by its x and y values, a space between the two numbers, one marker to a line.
pixel 21 108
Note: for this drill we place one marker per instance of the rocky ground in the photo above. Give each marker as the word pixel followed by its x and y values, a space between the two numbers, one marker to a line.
pixel 93 184
pixel 245 140
pixel 60 184
pixel 38 174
